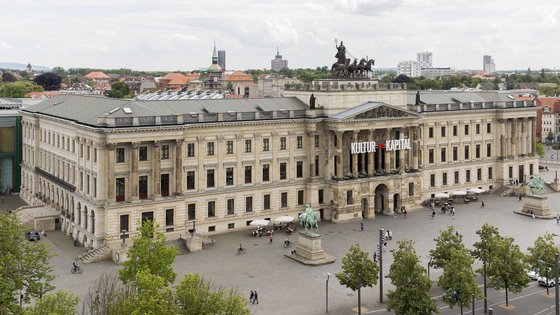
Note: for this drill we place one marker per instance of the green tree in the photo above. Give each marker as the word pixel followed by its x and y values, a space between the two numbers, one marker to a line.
pixel 358 271
pixel 109 295
pixel 119 90
pixel 8 77
pixel 153 296
pixel 541 256
pixel 59 303
pixel 194 296
pixel 149 253
pixel 446 242
pixel 229 86
pixel 506 267
pixel 458 280
pixel 24 266
pixel 412 284
pixel 18 89
pixel 49 81
pixel 487 233
pixel 540 149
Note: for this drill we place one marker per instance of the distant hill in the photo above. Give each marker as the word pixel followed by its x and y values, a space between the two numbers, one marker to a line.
pixel 22 66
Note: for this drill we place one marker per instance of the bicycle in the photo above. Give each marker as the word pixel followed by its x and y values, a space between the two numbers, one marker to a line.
pixel 240 251
pixel 76 269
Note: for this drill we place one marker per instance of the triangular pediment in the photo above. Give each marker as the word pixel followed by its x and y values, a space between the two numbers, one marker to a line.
pixel 375 110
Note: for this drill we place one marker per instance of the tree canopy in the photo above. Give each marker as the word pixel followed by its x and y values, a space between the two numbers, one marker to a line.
pixel 458 280
pixel 48 81
pixel 119 90
pixel 59 303
pixel 542 255
pixel 19 89
pixel 446 242
pixel 8 77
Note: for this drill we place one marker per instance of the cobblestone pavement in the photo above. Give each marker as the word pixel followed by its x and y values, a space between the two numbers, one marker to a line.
pixel 287 287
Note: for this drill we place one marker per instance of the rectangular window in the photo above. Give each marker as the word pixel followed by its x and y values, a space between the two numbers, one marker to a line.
pixel 124 220
pixel 299 169
pixel 282 143
pixel 320 192
pixel 479 174
pixel 248 204
pixel 488 150
pixel 477 129
pixel 119 189
pixel 143 187
pixel 230 206
pixel 510 171
pixel 466 130
pixel 454 131
pixel 165 152
pixel 212 228
pixel 468 176
pixel 164 183
pixel 248 174
pixel 284 200
pixel 431 132
pixel 231 226
pixel 431 156
pixel 455 153
pixel 266 202
pixel 248 146
pixel 335 141
pixel 190 149
pixel 411 189
pixel 169 219
pixel 229 176
pixel 210 148
pixel 148 216
pixel 530 169
pixel 444 179
pixel 266 144
pixel 266 173
pixel 191 211
pixel 299 141
pixel 443 154
pixel 283 171
pixel 210 178
pixel 300 197
pixel 229 147
pixel 317 142
pixel 211 209
pixel 120 155
pixel 349 197
pixel 432 180
pixel 456 177
pixel 477 151
pixel 190 180
pixel 489 173
pixel 316 165
pixel 466 152
pixel 443 131
pixel 488 128
pixel 143 153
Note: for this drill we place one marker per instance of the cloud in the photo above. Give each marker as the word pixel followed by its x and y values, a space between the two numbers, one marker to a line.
pixel 4 45
pixel 186 37
pixel 369 7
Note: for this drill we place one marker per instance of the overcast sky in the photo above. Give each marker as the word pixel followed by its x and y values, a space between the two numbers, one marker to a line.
pixel 177 35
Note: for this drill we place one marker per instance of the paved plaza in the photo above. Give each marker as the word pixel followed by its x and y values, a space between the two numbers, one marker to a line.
pixel 287 287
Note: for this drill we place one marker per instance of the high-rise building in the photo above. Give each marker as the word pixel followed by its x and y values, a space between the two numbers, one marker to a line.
pixel 488 65
pixel 222 59
pixel 409 68
pixel 424 59
pixel 278 64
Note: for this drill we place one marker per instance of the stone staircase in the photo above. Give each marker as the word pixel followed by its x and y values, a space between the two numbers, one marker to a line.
pixel 180 245
pixel 504 191
pixel 98 254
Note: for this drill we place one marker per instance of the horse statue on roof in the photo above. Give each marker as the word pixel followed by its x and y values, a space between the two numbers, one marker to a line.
pixel 309 218
pixel 536 184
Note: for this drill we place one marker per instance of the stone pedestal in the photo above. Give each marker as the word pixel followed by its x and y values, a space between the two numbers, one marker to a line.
pixel 194 243
pixel 309 251
pixel 537 205
pixel 555 185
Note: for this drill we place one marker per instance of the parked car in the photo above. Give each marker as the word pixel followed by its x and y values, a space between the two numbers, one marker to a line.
pixel 533 274
pixel 543 281
pixel 33 236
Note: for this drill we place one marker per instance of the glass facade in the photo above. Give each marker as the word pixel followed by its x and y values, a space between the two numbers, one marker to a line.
pixel 10 153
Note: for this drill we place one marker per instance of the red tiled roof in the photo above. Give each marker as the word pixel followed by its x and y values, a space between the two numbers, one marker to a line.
pixel 238 76
pixel 179 79
pixel 97 75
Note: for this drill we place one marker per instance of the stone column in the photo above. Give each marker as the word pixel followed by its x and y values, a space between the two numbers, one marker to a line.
pixel 370 156
pixel 524 136
pixel 340 156
pixel 533 136
pixel 514 134
pixel 415 148
pixel 134 172
pixel 354 156
pixel 401 153
pixel 156 168
pixel 502 133
pixel 179 148
pixel 388 156
pixel 110 167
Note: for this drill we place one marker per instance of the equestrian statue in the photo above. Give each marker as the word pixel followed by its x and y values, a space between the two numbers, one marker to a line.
pixel 309 218
pixel 536 184
pixel 344 68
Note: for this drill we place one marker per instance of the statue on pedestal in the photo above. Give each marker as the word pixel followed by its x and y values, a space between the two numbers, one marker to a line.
pixel 309 218
pixel 536 184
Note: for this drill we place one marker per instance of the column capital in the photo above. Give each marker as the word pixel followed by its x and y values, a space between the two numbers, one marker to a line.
pixel 134 145
pixel 156 144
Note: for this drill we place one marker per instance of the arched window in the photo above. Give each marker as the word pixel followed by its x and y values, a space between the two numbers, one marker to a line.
pixel 86 218
pixel 79 214
pixel 92 222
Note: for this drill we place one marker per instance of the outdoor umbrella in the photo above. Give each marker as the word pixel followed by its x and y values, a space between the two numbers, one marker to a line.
pixel 284 219
pixel 441 195
pixel 476 190
pixel 459 193
pixel 259 222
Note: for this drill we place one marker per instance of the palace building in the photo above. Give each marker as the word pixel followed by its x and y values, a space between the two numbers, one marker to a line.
pixel 350 148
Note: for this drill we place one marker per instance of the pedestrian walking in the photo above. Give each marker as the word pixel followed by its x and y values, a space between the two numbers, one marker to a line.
pixel 404 213
pixel 384 246
pixel 433 213
pixel 270 239
pixel 557 218
pixel 252 296
pixel 395 214
pixel 256 298
pixel 390 235
pixel 532 215
pixel 519 197
pixel 482 205
pixel 374 256
pixel 361 226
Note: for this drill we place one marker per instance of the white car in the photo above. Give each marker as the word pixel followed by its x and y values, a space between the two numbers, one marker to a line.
pixel 533 275
pixel 542 281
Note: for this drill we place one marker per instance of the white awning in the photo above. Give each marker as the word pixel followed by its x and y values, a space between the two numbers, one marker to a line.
pixel 475 190
pixel 459 193
pixel 441 195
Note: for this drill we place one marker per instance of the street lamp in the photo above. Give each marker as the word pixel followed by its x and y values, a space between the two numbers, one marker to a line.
pixel 429 265
pixel 328 276
pixel 485 292
pixel 556 292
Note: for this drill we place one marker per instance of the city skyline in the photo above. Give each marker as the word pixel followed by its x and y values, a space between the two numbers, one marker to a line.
pixel 172 35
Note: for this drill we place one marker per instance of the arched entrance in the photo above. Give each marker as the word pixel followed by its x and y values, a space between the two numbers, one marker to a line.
pixel 396 202
pixel 381 198
pixel 364 207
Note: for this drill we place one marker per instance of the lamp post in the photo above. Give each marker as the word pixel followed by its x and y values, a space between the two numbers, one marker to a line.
pixel 556 284
pixel 429 265
pixel 327 275
pixel 381 240
pixel 485 292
